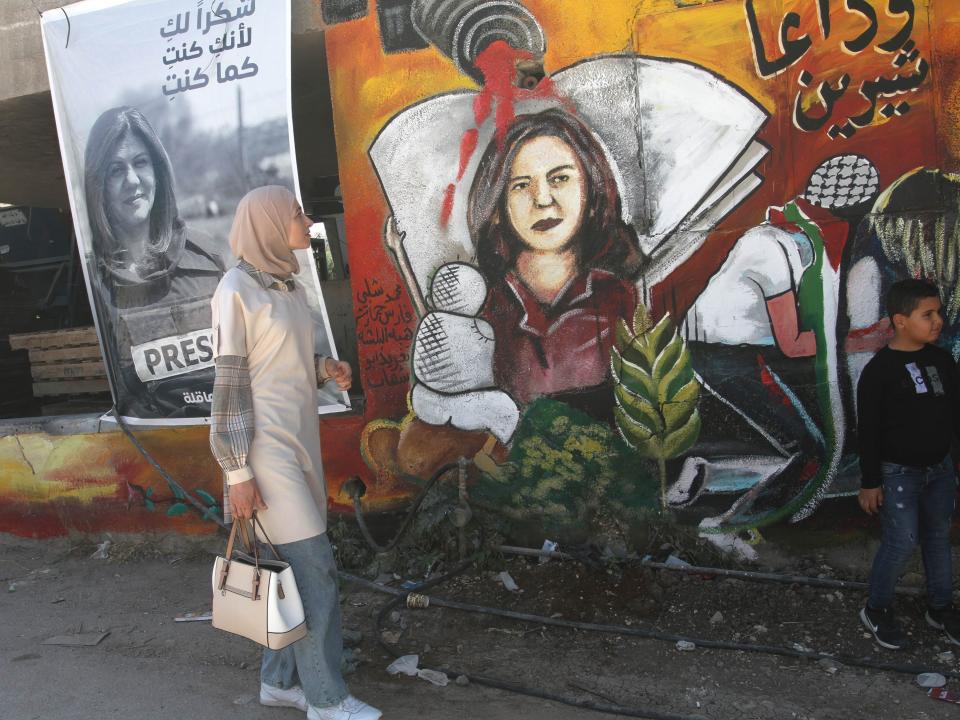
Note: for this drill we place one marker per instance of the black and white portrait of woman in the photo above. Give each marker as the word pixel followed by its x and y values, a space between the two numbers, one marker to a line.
pixel 155 275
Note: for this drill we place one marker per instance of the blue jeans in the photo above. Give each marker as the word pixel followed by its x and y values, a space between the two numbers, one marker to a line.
pixel 314 661
pixel 918 506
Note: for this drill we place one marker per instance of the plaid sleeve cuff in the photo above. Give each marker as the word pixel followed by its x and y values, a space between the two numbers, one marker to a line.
pixel 320 361
pixel 240 475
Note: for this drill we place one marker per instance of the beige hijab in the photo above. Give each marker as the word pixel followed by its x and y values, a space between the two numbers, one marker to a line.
pixel 259 232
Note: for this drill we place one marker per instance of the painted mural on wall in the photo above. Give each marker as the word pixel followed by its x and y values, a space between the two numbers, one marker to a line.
pixel 643 280
pixel 54 484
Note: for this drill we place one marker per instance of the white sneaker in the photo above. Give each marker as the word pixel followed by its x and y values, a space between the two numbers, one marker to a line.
pixel 349 709
pixel 278 697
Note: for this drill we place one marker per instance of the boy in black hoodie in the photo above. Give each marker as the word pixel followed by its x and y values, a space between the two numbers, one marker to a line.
pixel 908 409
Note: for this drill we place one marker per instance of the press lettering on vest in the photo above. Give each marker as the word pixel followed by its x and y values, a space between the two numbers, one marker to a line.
pixel 917 376
pixel 205 346
pixel 174 355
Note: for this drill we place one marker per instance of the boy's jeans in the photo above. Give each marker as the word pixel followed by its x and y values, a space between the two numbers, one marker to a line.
pixel 918 506
pixel 314 661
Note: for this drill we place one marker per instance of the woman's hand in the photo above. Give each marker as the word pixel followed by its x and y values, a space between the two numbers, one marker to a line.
pixel 340 372
pixel 245 498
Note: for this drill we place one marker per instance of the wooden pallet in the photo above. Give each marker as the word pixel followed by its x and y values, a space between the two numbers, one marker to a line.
pixel 54 339
pixel 64 362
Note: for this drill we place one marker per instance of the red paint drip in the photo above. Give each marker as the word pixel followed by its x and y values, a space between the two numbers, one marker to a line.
pixel 499 96
pixel 446 210
pixel 482 104
pixel 468 144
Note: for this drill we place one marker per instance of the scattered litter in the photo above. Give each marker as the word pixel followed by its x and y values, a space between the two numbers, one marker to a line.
pixel 102 552
pixel 57 601
pixel 390 637
pixel 508 582
pixel 12 587
pixel 433 676
pixel 549 546
pixel 717 618
pixel 406 665
pixel 357 603
pixel 410 584
pixel 801 648
pixel 686 645
pixel 828 665
pixel 931 680
pixel 947 657
pixel 760 629
pixel 944 694
pixel 244 700
pixel 462 680
pixel 77 639
pixel 199 616
pixel 674 562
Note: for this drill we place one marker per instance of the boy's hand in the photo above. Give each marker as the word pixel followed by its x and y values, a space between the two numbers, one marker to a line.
pixel 871 499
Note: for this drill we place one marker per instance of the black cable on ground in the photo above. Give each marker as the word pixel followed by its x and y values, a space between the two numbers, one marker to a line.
pixel 749 575
pixel 204 511
pixel 356 489
pixel 401 597
pixel 656 635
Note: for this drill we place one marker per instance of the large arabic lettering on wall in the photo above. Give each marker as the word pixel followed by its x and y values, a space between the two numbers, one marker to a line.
pixel 168 113
pixel 733 206
pixel 881 27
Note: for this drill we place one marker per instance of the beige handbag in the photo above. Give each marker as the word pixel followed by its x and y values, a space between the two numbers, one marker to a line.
pixel 256 598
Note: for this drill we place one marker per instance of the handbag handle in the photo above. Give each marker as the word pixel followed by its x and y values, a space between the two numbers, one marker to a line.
pixel 251 548
pixel 266 537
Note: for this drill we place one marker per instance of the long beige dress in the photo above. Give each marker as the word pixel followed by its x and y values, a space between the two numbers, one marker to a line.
pixel 274 331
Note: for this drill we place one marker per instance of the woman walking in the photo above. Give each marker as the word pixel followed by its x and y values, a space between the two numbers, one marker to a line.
pixel 265 435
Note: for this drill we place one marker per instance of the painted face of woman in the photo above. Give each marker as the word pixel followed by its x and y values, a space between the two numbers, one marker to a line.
pixel 546 194
pixel 298 231
pixel 130 186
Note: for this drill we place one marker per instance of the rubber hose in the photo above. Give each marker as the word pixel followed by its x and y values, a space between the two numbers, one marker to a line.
pixel 749 575
pixel 611 709
pixel 362 523
pixel 656 635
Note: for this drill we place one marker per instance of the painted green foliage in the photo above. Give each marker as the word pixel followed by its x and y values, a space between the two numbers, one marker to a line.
pixel 656 391
pixel 177 501
pixel 569 470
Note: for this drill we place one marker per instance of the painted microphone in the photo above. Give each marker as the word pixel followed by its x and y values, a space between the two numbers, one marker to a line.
pixel 462 29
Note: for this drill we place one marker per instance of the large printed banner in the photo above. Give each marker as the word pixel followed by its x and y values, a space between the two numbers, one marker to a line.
pixel 168 112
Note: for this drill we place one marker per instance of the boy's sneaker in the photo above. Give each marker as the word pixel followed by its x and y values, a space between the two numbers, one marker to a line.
pixel 945 619
pixel 884 627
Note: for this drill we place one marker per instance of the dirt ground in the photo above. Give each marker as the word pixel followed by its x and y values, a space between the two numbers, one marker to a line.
pixel 152 667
